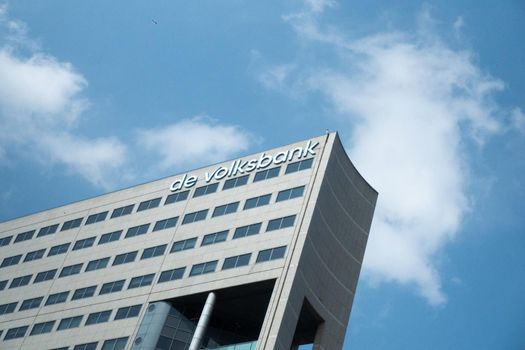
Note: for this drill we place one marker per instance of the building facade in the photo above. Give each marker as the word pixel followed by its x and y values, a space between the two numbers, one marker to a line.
pixel 262 252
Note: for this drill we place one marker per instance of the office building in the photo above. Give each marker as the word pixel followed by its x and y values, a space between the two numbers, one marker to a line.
pixel 260 252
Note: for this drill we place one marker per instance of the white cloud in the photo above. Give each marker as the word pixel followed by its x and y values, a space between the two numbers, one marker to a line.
pixel 99 160
pixel 518 119
pixel 196 141
pixel 41 102
pixel 410 102
pixel 39 88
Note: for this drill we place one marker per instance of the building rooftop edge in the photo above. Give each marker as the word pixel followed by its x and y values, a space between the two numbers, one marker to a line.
pixel 163 178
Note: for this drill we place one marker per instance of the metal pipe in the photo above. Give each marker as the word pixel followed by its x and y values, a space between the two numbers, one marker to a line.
pixel 203 322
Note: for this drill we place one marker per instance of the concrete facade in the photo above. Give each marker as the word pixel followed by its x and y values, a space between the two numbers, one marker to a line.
pixel 313 283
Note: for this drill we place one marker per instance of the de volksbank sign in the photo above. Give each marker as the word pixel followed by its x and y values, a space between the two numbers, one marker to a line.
pixel 240 167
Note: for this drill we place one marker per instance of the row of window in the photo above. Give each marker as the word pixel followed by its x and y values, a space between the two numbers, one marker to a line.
pixel 150 252
pixel 140 281
pixel 72 322
pixel 153 203
pixel 159 225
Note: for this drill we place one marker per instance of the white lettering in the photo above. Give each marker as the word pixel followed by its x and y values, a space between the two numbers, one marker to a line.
pixel 241 166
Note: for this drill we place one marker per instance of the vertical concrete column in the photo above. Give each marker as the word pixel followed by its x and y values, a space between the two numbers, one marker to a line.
pixel 203 322
pixel 151 326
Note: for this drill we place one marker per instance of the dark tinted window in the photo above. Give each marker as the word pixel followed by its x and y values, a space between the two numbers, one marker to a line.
pixel 249 230
pixel 112 287
pixel 24 236
pixel 171 275
pixel 45 276
pixel 96 218
pixel 225 209
pixel 257 201
pixel 122 211
pixel 48 230
pixel 71 224
pixel 149 204
pixel 176 197
pixel 298 166
pixel 236 182
pixel 84 243
pixel 195 216
pixel 201 191
pixel 277 224
pixel 110 237
pixel 266 174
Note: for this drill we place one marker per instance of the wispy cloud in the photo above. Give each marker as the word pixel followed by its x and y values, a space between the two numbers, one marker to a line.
pixel 411 103
pixel 41 102
pixel 193 142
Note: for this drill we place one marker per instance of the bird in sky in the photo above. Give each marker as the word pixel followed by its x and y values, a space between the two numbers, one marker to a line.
pixel 155 22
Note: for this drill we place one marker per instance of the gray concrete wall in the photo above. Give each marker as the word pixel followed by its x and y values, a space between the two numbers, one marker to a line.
pixel 326 261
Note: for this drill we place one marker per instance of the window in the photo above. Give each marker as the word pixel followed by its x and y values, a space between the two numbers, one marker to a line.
pixel 141 281
pixel 277 224
pixel 70 322
pixel 171 275
pixel 84 243
pixel 257 201
pixel 149 204
pixel 137 230
pixel 45 276
pixel 125 258
pixel 3 284
pixel 18 332
pixel 31 303
pixel 203 190
pixel 57 298
pixel 298 166
pixel 82 293
pixel 236 261
pixel 41 328
pixel 200 269
pixel 216 237
pixel 34 255
pixel 24 236
pixel 110 237
pixel 96 218
pixel 20 281
pixel 266 174
pixel 112 287
pixel 58 249
pixel 48 230
pixel 236 182
pixel 62 348
pixel 7 308
pixel 183 245
pixel 70 270
pixel 5 241
pixel 86 346
pixel 153 251
pixel 68 225
pixel 225 209
pixel 195 216
pixel 177 197
pixel 115 344
pixel 290 193
pixel 122 211
pixel 11 260
pixel 249 230
pixel 97 264
pixel 271 254
pixel 127 312
pixel 166 223
pixel 98 317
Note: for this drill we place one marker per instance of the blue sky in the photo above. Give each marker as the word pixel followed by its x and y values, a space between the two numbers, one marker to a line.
pixel 429 100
